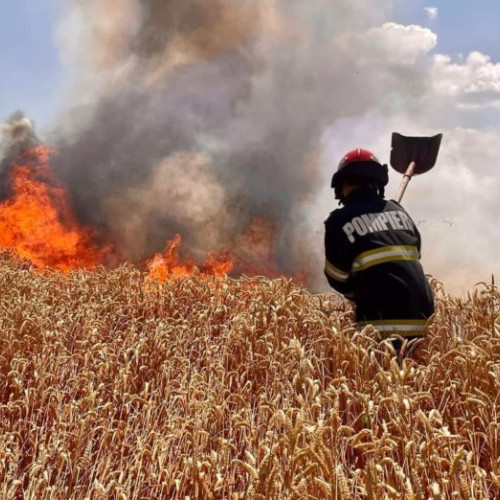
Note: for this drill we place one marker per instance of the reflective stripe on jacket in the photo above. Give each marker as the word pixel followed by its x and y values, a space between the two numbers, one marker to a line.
pixel 403 327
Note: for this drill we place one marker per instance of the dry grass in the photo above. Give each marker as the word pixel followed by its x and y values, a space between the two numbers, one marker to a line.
pixel 111 388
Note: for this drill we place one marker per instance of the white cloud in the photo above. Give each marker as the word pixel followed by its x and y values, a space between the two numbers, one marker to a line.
pixel 392 43
pixel 432 12
pixel 477 79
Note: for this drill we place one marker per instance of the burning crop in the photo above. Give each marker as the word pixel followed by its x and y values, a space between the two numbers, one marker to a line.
pixel 169 265
pixel 40 222
pixel 37 223
pixel 36 220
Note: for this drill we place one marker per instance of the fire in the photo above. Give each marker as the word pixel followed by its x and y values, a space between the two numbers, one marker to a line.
pixel 38 224
pixel 169 265
pixel 36 221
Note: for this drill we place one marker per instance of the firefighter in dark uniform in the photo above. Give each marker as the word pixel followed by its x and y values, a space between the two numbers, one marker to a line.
pixel 372 249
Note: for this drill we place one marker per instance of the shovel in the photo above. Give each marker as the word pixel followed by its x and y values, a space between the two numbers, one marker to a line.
pixel 413 155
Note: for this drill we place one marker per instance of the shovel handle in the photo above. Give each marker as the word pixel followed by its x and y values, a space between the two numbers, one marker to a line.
pixel 406 179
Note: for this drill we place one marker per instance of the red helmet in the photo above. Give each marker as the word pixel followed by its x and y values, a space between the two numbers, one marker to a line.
pixel 359 163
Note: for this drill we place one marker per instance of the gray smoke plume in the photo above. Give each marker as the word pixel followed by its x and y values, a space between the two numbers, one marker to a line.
pixel 204 118
pixel 16 136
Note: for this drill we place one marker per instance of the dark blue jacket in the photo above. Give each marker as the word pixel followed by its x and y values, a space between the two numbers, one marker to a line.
pixel 372 250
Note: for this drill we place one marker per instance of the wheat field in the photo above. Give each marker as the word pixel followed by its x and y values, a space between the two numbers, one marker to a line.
pixel 113 387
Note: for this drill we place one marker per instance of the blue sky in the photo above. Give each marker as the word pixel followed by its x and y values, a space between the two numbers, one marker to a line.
pixel 32 76
pixel 462 26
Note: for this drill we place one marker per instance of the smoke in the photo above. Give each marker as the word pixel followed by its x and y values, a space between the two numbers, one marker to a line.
pixel 182 193
pixel 16 136
pixel 202 117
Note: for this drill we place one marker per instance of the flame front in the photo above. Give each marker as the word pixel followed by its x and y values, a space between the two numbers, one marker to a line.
pixel 36 221
pixel 169 265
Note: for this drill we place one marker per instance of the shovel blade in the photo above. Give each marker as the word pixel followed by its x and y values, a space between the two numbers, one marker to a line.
pixel 421 150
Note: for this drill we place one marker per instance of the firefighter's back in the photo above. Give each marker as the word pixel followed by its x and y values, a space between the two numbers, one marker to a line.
pixel 382 245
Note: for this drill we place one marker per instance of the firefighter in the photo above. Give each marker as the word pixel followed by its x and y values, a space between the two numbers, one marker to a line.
pixel 372 249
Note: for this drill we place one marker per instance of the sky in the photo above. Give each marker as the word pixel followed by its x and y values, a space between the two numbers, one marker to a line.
pixel 462 26
pixel 33 75
pixel 347 72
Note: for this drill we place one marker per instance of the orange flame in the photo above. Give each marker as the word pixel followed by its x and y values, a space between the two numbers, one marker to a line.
pixel 168 265
pixel 37 222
